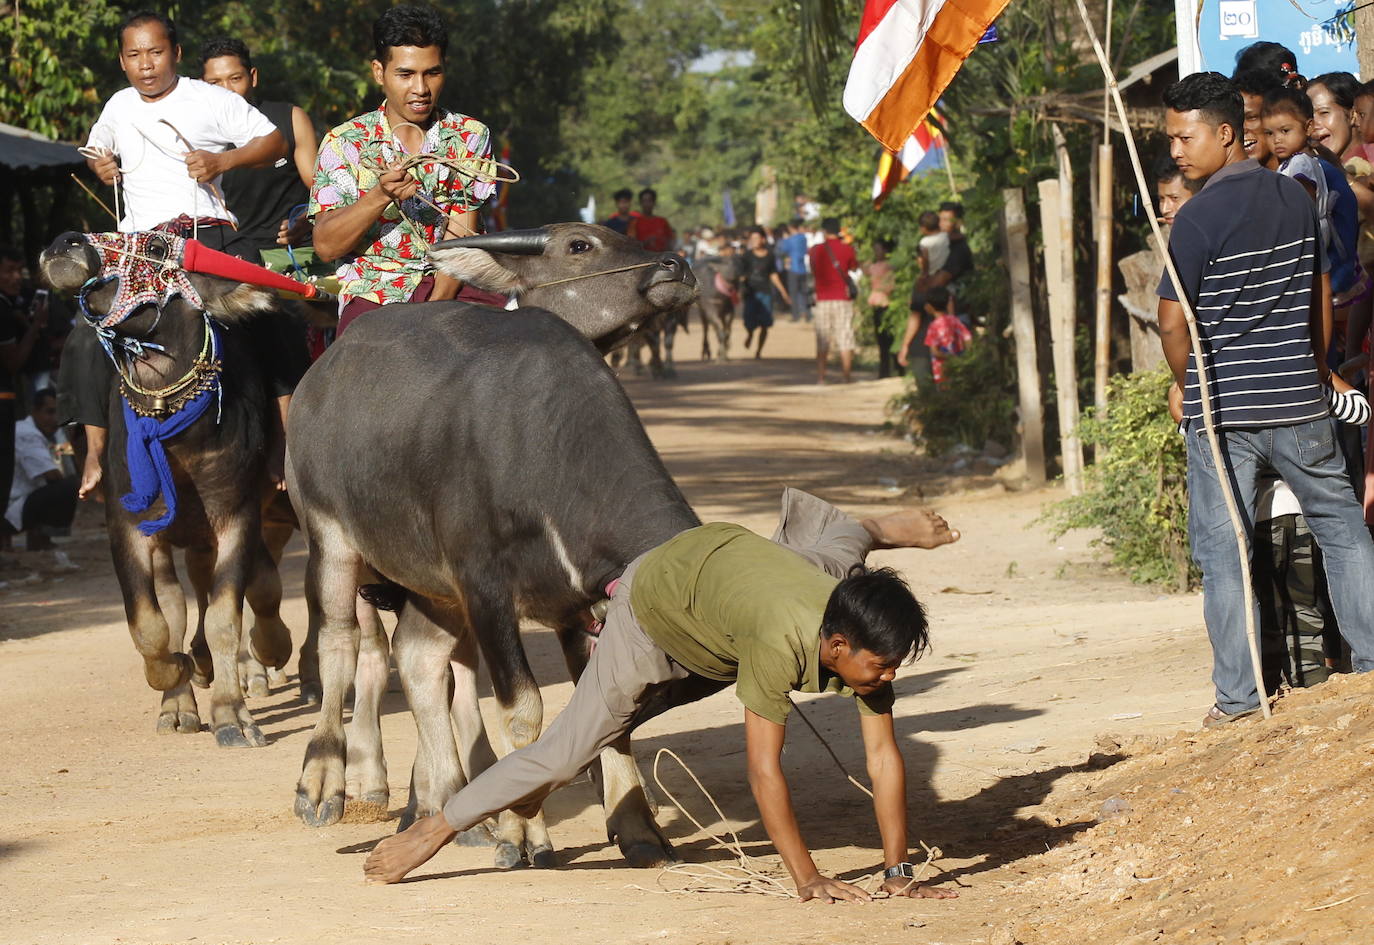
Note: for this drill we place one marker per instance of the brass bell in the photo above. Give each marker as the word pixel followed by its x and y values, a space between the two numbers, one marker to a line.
pixel 159 405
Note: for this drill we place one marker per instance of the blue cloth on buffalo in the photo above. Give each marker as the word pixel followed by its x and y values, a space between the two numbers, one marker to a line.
pixel 149 474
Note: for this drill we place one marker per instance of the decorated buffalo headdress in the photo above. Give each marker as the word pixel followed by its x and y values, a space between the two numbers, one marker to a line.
pixel 147 270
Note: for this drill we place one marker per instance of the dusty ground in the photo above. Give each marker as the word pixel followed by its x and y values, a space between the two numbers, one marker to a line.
pixel 112 833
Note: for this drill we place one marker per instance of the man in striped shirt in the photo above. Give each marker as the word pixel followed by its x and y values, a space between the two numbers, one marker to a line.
pixel 1250 261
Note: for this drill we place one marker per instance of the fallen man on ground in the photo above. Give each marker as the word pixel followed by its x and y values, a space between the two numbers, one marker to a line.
pixel 716 605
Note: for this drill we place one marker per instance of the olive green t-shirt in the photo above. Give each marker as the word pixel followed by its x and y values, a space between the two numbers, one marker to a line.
pixel 730 605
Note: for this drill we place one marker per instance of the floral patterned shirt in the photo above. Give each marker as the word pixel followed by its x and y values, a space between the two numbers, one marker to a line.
pixel 391 260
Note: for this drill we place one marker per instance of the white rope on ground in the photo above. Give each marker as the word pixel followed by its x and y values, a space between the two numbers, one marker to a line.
pixel 1204 387
pixel 744 876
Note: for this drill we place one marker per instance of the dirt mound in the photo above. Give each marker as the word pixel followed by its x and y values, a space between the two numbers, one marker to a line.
pixel 1255 832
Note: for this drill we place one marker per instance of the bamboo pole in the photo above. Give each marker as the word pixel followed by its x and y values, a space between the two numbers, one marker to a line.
pixel 1014 232
pixel 1061 336
pixel 1219 458
pixel 1103 349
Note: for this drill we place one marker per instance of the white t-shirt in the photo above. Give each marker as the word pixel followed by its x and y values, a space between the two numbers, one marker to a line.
pixel 936 246
pixel 156 185
pixel 33 456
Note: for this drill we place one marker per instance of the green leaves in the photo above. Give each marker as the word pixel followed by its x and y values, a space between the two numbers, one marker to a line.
pixel 1136 493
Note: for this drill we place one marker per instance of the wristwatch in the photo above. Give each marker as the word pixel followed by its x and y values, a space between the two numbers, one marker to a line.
pixel 904 870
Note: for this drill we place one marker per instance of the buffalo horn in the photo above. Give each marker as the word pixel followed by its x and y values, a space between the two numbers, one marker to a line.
pixel 514 242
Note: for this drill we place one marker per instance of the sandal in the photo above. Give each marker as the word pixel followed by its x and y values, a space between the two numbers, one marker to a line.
pixel 1215 716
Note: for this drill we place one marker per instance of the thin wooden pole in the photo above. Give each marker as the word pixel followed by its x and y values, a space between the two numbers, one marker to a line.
pixel 1061 336
pixel 1014 232
pixel 1204 387
pixel 1103 349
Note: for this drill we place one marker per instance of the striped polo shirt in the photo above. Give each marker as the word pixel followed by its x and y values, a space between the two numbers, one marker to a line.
pixel 1247 250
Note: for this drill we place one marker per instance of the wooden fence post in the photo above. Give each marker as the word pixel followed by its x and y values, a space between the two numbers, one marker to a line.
pixel 1014 231
pixel 1103 349
pixel 1062 336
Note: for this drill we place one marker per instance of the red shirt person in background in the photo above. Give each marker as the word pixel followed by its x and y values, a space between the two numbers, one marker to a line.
pixel 655 233
pixel 831 261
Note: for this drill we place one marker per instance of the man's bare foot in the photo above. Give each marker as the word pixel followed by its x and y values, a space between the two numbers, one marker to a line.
pixel 396 856
pixel 910 528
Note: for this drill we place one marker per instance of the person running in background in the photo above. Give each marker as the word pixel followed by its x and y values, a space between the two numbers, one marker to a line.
pixel 654 232
pixel 881 281
pixel 793 249
pixel 831 262
pixel 623 216
pixel 758 271
pixel 371 213
pixel 264 198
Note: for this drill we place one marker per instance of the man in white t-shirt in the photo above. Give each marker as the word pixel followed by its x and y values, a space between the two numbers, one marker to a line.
pixel 42 499
pixel 164 142
pixel 166 139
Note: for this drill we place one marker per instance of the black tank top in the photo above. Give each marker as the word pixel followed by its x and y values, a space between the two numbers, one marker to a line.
pixel 261 197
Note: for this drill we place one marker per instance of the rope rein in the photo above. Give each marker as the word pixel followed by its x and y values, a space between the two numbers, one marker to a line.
pixel 588 275
pixel 488 170
pixel 747 874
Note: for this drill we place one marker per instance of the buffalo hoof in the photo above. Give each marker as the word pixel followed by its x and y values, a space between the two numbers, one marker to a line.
pixel 508 856
pixel 202 679
pixel 648 856
pixel 232 735
pixel 257 686
pixel 311 693
pixel 479 836
pixel 181 723
pixel 329 812
pixel 542 858
pixel 276 678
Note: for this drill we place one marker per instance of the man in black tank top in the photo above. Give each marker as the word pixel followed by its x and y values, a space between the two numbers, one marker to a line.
pixel 264 198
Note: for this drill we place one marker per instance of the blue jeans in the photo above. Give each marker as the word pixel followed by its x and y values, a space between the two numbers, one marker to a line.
pixel 1307 457
pixel 800 292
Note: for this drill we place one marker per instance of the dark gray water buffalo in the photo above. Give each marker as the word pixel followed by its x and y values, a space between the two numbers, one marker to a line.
pixel 195 394
pixel 490 464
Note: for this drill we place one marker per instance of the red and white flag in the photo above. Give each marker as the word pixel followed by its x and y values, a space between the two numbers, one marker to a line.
pixel 908 51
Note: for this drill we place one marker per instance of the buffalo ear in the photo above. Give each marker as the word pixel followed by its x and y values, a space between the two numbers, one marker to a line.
pixel 476 267
pixel 240 303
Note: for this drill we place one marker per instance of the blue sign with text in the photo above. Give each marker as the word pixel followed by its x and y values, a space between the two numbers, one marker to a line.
pixel 1320 32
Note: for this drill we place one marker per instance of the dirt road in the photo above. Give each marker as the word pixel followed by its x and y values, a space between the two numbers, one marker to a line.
pixel 112 833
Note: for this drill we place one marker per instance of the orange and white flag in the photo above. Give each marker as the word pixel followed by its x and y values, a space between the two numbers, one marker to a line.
pixel 908 51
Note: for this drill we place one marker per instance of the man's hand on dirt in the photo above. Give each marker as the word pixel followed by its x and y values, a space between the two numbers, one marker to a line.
pixel 911 528
pixel 901 886
pixel 204 165
pixel 831 890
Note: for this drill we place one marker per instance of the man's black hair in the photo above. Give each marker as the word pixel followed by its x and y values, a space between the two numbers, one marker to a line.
pixel 1211 94
pixel 147 16
pixel 875 611
pixel 929 219
pixel 408 24
pixel 831 225
pixel 226 46
pixel 43 396
pixel 1366 88
pixel 955 206
pixel 1278 61
pixel 1343 87
pixel 650 191
pixel 1166 170
pixel 1292 101
pixel 623 193
pixel 1256 81
pixel 10 254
